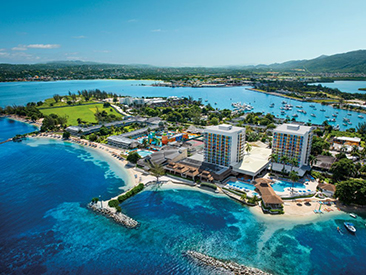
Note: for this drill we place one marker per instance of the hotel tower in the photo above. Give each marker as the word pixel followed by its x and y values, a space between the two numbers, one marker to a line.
pixel 293 141
pixel 224 144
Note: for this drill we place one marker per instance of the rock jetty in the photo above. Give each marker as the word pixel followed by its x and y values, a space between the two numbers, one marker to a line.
pixel 229 266
pixel 117 217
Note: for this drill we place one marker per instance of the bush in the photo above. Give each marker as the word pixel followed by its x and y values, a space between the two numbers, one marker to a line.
pixel 210 185
pixel 133 157
pixel 131 193
pixel 113 203
pixel 118 208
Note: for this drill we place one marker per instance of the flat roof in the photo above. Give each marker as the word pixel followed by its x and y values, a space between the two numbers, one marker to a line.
pixel 355 139
pixel 293 129
pixel 225 128
pixel 254 161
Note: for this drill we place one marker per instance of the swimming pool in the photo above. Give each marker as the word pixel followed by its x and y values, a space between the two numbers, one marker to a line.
pixel 241 184
pixel 280 185
pixel 144 153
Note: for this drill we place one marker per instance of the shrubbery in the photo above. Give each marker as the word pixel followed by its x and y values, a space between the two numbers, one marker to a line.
pixel 131 193
pixel 210 185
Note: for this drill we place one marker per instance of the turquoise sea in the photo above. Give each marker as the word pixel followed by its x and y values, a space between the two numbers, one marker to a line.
pixel 24 92
pixel 46 229
pixel 346 86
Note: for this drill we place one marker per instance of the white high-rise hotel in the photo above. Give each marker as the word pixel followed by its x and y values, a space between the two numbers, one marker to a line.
pixel 224 144
pixel 294 142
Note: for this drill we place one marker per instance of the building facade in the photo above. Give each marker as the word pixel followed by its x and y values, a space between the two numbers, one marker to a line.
pixel 224 144
pixel 294 142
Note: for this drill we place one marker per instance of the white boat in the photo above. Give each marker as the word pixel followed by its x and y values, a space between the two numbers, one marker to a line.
pixel 360 116
pixel 322 110
pixel 350 227
pixel 337 127
pixel 334 115
pixel 344 124
pixel 349 114
pixel 299 106
pixel 294 115
pixel 284 102
pixel 313 115
pixel 353 215
pixel 311 105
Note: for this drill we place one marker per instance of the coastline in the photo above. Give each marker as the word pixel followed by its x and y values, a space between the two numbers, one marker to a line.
pixel 37 123
pixel 276 94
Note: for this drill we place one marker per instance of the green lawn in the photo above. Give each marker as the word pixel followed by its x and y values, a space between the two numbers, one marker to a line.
pixel 85 112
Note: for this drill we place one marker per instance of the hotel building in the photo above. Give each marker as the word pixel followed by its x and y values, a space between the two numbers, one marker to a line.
pixel 224 144
pixel 293 141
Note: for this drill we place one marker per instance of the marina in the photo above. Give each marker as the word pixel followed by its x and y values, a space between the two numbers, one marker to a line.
pixel 255 101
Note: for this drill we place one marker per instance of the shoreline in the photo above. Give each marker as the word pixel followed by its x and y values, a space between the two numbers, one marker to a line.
pixel 37 123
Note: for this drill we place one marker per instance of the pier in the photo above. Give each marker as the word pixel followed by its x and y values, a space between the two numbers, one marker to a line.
pixel 117 217
pixel 10 139
pixel 229 266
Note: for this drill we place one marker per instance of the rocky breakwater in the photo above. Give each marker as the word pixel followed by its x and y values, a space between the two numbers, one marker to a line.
pixel 118 217
pixel 228 266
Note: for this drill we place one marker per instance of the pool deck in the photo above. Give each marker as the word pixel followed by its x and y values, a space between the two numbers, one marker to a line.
pixel 288 192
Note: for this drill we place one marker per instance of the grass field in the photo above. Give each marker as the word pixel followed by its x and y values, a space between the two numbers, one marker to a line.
pixel 85 112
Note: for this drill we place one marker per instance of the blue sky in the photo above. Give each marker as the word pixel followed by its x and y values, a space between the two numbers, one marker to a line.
pixel 179 33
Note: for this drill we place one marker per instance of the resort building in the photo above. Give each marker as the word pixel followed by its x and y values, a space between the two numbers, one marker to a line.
pixel 294 142
pixel 224 144
pixel 270 200
pixel 126 140
pixel 346 144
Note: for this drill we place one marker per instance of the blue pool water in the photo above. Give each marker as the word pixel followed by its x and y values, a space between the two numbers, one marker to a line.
pixel 45 227
pixel 144 153
pixel 242 185
pixel 280 185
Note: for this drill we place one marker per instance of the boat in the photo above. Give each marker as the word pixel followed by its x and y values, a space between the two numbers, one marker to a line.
pixel 299 106
pixel 312 105
pixel 322 110
pixel 284 102
pixel 349 114
pixel 215 103
pixel 326 116
pixel 271 106
pixel 360 116
pixel 337 127
pixel 206 100
pixel 334 115
pixel 339 230
pixel 294 115
pixel 350 227
pixel 313 115
pixel 349 122
pixel 353 215
pixel 344 124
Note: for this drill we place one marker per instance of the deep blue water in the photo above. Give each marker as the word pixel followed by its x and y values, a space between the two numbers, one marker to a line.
pixel 10 128
pixel 346 86
pixel 24 92
pixel 46 228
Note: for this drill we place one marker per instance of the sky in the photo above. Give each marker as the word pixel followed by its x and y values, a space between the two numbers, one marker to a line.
pixel 179 33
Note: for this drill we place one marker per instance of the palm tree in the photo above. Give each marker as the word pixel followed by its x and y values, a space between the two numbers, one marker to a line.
pixel 157 171
pixel 355 151
pixel 293 162
pixel 284 159
pixel 312 160
pixel 248 148
pixel 273 158
pixel 294 177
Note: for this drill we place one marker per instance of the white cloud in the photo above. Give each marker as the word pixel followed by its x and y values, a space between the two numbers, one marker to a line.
pixel 1 50
pixel 102 51
pixel 43 46
pixel 156 30
pixel 19 48
pixel 79 37
pixel 132 20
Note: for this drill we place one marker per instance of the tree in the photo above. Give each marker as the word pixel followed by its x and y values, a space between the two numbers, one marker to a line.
pixel 157 171
pixel 312 160
pixel 294 176
pixel 351 191
pixel 293 162
pixel 361 128
pixel 273 158
pixel 214 121
pixel 284 160
pixel 248 148
pixel 133 157
pixel 66 135
pixel 95 200
pixel 342 169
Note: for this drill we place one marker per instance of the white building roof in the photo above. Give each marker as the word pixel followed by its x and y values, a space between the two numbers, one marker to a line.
pixel 293 129
pixel 224 128
pixel 253 162
pixel 355 139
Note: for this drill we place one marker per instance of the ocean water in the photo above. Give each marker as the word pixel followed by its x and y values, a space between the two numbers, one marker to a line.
pixel 24 92
pixel 10 128
pixel 46 228
pixel 346 86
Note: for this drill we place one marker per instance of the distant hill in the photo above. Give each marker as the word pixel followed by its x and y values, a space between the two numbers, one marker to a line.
pixel 350 62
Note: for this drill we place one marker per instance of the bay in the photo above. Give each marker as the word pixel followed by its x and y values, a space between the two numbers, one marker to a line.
pixel 24 92
pixel 345 86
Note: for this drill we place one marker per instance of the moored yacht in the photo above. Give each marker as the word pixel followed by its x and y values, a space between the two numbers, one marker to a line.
pixel 350 227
